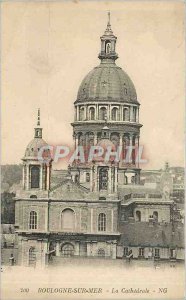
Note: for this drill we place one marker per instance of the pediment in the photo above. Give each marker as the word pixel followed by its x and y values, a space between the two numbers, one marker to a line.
pixel 68 190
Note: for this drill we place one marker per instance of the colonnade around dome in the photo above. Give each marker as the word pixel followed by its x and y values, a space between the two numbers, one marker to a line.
pixel 110 111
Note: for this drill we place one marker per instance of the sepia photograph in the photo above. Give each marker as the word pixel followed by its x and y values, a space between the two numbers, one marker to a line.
pixel 92 156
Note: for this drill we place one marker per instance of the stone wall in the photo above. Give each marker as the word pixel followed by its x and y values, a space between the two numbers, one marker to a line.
pixel 86 215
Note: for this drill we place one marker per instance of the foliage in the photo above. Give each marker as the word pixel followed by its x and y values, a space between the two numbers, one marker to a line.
pixel 7 208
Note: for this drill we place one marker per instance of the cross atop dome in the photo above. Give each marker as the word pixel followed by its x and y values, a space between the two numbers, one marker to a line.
pixel 108 44
pixel 38 117
pixel 108 29
pixel 38 129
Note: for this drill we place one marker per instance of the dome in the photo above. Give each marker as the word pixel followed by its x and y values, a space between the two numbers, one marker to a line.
pixel 107 82
pixel 34 146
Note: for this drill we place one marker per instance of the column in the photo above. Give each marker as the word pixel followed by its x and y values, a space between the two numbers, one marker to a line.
pixel 102 46
pixel 121 113
pixel 77 248
pixel 85 112
pixel 97 112
pixel 137 158
pixel 96 179
pixel 110 180
pixel 77 112
pixel 76 140
pixel 57 248
pixel 41 178
pixel 112 221
pixel 114 249
pixel 27 177
pixel 137 115
pixel 91 179
pixel 109 112
pixel 120 139
pixel 116 179
pixel 48 177
pixel 23 176
pixel 112 46
pixel 89 249
pixel 95 138
pixel 91 220
pixel 136 150
pixel 130 148
pixel 131 113
pixel 121 146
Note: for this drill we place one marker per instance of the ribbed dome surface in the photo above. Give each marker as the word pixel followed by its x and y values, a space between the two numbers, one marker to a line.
pixel 34 146
pixel 107 82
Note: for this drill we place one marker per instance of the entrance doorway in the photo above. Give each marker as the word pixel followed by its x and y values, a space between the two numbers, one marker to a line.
pixel 67 250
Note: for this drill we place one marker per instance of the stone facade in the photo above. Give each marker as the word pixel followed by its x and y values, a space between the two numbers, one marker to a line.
pixel 86 213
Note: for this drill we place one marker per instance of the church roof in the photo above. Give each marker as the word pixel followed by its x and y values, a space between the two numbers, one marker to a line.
pixel 34 146
pixel 157 235
pixel 107 82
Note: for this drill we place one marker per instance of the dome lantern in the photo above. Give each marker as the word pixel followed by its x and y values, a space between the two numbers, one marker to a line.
pixel 108 44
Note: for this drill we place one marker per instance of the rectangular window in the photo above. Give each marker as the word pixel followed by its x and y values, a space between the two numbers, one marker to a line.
pixel 126 251
pixel 172 253
pixel 33 220
pixel 157 253
pixel 141 252
pixel 102 222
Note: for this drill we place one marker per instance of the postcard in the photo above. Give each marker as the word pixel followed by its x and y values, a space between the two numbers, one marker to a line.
pixel 92 176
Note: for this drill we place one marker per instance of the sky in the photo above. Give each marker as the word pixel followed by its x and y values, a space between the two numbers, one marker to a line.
pixel 49 47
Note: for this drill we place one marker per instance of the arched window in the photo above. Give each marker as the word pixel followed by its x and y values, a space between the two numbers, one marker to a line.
pixel 102 113
pixel 87 177
pixel 32 257
pixel 33 220
pixel 114 114
pixel 52 250
pixel 67 250
pixel 125 179
pixel 107 47
pixel 35 171
pixel 115 139
pixel 68 220
pixel 81 113
pixel 101 252
pixel 138 216
pixel 125 114
pixel 76 178
pixel 155 216
pixel 81 139
pixel 102 222
pixel 92 113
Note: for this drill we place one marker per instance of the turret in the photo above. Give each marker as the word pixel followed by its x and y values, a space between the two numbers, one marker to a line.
pixel 36 172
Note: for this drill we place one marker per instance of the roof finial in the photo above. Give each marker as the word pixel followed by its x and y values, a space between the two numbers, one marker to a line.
pixel 108 17
pixel 38 117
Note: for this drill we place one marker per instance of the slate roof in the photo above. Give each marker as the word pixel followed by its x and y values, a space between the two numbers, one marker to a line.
pixel 158 235
pixel 107 82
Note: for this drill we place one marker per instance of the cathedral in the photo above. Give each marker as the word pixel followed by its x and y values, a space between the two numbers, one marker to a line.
pixel 99 208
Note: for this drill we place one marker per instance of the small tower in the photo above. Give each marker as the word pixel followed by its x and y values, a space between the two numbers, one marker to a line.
pixel 108 44
pixel 37 171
